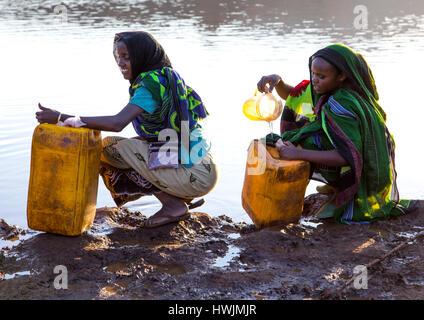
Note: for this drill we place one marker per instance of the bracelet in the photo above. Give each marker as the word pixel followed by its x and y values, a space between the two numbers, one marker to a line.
pixel 58 118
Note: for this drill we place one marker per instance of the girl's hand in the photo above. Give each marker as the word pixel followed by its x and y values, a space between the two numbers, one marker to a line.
pixel 47 115
pixel 271 80
pixel 287 150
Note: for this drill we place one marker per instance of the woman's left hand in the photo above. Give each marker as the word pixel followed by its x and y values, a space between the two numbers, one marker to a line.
pixel 47 115
pixel 287 150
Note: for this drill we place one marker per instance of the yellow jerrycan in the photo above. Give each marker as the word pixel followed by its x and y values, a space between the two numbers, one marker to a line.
pixel 273 189
pixel 263 107
pixel 62 192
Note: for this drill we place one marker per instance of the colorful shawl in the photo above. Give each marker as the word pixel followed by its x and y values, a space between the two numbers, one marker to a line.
pixel 354 123
pixel 299 109
pixel 177 101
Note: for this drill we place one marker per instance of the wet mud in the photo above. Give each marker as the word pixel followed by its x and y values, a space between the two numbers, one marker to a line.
pixel 214 258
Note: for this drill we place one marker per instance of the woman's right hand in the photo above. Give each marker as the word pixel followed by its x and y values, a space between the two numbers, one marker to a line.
pixel 268 83
pixel 47 115
pixel 287 150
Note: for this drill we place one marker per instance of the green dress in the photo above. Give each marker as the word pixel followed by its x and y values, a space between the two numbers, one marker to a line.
pixel 352 122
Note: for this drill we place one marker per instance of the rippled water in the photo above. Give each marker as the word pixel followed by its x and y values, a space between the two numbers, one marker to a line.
pixel 61 55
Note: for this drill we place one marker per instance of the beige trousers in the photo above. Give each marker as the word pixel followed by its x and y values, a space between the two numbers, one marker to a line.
pixel 182 182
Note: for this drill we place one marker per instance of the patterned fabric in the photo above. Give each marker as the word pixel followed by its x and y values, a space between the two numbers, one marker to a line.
pixel 352 122
pixel 126 173
pixel 299 109
pixel 178 102
pixel 124 184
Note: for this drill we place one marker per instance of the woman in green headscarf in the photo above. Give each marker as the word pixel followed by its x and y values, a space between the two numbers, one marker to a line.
pixel 336 119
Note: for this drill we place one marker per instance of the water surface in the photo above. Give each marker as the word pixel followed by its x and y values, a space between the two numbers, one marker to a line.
pixel 61 55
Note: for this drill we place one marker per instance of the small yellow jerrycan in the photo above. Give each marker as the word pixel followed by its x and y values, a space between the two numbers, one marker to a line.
pixel 263 107
pixel 273 189
pixel 64 177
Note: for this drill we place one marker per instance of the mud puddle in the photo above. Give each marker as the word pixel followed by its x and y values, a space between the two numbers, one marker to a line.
pixel 207 257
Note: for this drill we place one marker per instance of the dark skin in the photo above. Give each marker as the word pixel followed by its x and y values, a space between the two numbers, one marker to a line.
pixel 171 206
pixel 326 79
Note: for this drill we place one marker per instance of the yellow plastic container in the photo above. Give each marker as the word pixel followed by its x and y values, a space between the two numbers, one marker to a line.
pixel 273 189
pixel 263 107
pixel 64 177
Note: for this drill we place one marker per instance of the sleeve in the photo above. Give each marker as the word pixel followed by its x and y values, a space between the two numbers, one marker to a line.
pixel 144 99
pixel 298 109
pixel 300 99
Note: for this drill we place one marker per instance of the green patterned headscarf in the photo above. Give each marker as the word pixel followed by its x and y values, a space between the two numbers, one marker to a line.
pixel 359 74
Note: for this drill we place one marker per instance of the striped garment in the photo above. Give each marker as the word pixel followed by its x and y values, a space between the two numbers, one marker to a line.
pixel 351 121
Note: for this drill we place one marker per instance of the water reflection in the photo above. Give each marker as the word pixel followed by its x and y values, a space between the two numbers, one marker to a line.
pixel 257 17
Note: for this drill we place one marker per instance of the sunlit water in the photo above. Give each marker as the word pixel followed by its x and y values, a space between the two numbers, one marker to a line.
pixel 62 57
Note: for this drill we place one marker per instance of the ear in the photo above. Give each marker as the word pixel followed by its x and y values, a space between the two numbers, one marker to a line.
pixel 342 77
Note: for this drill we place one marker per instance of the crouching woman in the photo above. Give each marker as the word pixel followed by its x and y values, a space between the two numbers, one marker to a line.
pixel 170 157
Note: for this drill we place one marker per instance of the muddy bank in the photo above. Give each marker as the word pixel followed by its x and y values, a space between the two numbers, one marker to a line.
pixel 212 258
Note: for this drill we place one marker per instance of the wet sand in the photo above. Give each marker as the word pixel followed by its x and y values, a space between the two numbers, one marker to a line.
pixel 213 258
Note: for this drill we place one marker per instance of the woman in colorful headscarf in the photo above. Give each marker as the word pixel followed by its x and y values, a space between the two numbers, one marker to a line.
pixel 336 119
pixel 169 158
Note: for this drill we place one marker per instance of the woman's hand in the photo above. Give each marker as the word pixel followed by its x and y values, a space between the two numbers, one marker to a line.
pixel 287 150
pixel 330 158
pixel 47 115
pixel 271 80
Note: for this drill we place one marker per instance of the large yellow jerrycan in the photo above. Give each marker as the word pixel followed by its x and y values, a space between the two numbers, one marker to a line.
pixel 273 189
pixel 64 177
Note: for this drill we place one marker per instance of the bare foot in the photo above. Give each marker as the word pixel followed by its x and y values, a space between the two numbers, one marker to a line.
pixel 173 209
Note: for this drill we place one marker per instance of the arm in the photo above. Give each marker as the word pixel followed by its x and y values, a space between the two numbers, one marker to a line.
pixel 283 89
pixel 114 123
pixel 331 158
pixel 105 123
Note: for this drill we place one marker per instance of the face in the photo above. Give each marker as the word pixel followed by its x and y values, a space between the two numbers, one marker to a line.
pixel 122 58
pixel 325 77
